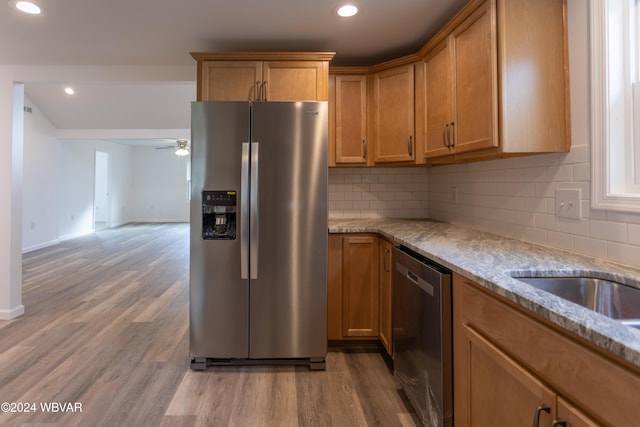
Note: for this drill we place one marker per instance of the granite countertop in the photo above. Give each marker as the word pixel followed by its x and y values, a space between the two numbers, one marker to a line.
pixel 487 259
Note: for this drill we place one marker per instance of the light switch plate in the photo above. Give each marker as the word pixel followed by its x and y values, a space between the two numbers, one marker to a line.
pixel 568 203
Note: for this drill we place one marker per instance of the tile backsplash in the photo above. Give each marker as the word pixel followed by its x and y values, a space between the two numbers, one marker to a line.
pixel 512 197
pixel 516 198
pixel 378 192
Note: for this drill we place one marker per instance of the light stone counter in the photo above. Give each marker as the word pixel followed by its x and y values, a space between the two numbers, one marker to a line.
pixel 487 258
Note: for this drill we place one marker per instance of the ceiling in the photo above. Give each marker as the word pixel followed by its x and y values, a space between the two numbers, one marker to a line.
pixel 163 32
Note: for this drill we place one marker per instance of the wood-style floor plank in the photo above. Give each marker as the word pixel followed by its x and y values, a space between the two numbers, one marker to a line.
pixel 107 326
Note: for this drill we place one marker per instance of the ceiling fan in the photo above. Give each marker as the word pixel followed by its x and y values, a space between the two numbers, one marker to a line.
pixel 181 148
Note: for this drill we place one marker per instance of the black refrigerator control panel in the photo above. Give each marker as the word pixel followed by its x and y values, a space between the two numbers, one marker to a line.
pixel 219 215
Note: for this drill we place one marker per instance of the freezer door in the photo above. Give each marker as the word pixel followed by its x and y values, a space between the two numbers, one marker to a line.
pixel 219 297
pixel 289 235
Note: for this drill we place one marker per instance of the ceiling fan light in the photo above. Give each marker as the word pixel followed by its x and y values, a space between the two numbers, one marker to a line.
pixel 182 151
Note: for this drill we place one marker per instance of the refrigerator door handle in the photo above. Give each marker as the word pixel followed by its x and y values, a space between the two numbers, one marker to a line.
pixel 254 228
pixel 244 217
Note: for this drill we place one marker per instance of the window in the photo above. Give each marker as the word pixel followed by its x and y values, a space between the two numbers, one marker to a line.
pixel 615 104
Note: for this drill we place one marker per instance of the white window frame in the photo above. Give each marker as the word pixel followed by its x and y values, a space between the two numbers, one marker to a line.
pixel 615 150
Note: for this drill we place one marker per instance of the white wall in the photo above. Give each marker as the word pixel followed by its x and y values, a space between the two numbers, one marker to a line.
pixel 160 191
pixel 11 163
pixel 41 181
pixel 58 184
pixel 77 167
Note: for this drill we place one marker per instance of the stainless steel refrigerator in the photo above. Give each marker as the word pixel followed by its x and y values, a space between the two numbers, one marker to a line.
pixel 258 291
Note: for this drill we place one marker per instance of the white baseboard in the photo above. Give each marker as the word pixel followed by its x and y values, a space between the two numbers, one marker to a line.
pixel 12 313
pixel 74 235
pixel 40 246
pixel 161 220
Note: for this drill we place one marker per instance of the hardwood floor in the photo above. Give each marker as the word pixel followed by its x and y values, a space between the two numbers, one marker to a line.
pixel 106 328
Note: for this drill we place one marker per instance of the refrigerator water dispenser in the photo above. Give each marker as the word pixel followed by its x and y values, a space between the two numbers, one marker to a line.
pixel 219 215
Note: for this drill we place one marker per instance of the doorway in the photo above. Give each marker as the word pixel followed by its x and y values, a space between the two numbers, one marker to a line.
pixel 101 197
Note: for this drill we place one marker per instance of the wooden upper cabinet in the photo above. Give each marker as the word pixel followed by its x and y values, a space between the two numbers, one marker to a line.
pixel 534 76
pixel 350 109
pixel 392 114
pixel 439 100
pixel 263 76
pixel 230 80
pixel 475 123
pixel 461 79
pixel 509 89
pixel 295 81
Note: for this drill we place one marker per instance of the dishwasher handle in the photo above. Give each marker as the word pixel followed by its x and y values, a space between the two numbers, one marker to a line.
pixel 419 281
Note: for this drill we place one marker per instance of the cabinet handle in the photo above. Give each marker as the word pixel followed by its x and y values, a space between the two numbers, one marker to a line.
pixel 385 265
pixel 444 134
pixel 536 419
pixel 449 128
pixel 258 90
pixel 265 97
pixel 410 146
pixel 559 422
pixel 364 149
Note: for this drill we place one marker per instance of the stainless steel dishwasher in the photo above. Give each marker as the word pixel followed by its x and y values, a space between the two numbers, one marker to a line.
pixel 422 335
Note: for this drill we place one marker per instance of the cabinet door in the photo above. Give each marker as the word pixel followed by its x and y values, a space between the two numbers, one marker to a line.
pixel 572 416
pixel 393 116
pixel 296 81
pixel 475 71
pixel 230 80
pixel 500 392
pixel 439 109
pixel 386 296
pixel 351 119
pixel 360 291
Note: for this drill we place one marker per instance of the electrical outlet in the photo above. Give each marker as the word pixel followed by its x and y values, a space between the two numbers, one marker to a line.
pixel 568 203
pixel 454 194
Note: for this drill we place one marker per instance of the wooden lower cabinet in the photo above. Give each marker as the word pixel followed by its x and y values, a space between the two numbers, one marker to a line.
pixel 353 293
pixel 359 288
pixel 500 391
pixel 510 365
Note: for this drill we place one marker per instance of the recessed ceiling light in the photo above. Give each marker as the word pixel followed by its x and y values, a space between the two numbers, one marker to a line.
pixel 347 10
pixel 27 7
pixel 69 90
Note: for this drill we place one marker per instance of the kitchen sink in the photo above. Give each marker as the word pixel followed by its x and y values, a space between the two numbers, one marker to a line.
pixel 612 299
